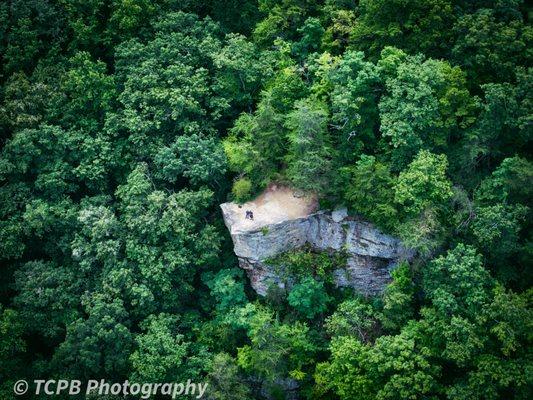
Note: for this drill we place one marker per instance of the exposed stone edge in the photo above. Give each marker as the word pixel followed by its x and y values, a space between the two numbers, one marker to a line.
pixel 361 276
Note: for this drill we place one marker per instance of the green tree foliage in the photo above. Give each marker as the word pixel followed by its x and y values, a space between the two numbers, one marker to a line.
pixel 466 331
pixel 504 123
pixel 225 382
pixel 98 345
pixel 199 159
pixel 395 367
pixel 23 45
pixel 413 25
pixel 257 142
pixel 48 296
pixel 225 12
pixel 459 331
pixel 241 190
pixel 423 184
pixel 161 353
pixel 166 93
pixel 283 20
pixel 124 124
pixel 89 90
pixel 228 290
pixel 12 347
pixel 489 46
pixel 398 299
pixel 309 297
pixel 354 104
pixel 311 36
pixel 164 240
pixel 425 106
pixel 343 374
pixel 241 69
pixel 371 191
pixel 287 85
pixel 353 318
pixel 502 216
pixel 276 350
pixel 309 157
pixel 422 193
pixel 457 283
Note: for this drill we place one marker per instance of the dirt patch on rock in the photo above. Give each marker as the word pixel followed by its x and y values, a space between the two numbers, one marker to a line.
pixel 275 204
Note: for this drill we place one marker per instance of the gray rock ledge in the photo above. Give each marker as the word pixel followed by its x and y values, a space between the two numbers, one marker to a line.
pixel 371 253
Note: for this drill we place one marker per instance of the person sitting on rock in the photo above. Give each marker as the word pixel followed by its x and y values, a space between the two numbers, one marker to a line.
pixel 249 215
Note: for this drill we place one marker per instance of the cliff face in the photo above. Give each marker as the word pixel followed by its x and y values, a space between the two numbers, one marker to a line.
pixel 371 254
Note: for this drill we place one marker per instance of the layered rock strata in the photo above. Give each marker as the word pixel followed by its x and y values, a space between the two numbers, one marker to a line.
pixel 371 254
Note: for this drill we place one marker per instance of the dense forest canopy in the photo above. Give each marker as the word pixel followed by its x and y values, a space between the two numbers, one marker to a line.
pixel 124 123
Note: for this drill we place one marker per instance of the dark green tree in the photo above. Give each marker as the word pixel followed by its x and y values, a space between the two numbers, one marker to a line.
pixel 310 155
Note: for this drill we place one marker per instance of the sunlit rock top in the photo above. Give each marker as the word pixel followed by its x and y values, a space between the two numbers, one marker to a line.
pixel 276 204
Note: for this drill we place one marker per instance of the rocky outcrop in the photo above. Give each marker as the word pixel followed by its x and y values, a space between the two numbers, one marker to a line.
pixel 371 254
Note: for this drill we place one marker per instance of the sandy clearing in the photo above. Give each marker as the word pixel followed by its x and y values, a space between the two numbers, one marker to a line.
pixel 275 204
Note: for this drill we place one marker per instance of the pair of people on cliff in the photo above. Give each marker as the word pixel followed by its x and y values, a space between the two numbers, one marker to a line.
pixel 249 215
